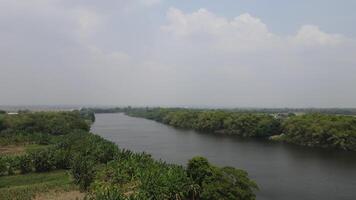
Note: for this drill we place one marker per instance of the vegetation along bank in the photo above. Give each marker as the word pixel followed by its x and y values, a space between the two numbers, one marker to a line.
pixel 311 129
pixel 52 154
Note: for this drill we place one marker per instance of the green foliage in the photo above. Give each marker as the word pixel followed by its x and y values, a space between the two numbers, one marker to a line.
pixel 107 173
pixel 2 126
pixel 25 186
pixel 220 183
pixel 11 163
pixel 43 160
pixel 316 130
pixel 62 159
pixel 25 164
pixel 210 121
pixel 53 123
pixel 87 114
pixel 82 170
pixel 249 125
pixel 181 119
pixel 198 169
pixel 138 176
pixel 321 131
pixel 242 124
pixel 3 166
pixel 228 183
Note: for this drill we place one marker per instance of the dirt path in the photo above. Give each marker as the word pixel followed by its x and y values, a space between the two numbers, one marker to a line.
pixel 60 195
pixel 12 150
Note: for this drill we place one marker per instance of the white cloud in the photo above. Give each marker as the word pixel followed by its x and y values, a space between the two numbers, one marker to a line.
pixel 244 31
pixel 113 53
pixel 252 61
pixel 312 35
pixel 204 22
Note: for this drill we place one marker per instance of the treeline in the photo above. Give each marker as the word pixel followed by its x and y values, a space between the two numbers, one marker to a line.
pixel 53 123
pixel 329 111
pixel 315 130
pixel 105 172
pixel 286 111
pixel 28 127
pixel 109 110
pixel 321 131
pixel 243 124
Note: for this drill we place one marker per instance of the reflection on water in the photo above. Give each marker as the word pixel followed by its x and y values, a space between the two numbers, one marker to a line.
pixel 282 171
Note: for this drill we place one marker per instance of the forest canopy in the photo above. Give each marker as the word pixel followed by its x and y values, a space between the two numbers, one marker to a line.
pixel 314 129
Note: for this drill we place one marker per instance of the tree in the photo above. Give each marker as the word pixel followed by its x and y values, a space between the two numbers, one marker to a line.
pixel 83 171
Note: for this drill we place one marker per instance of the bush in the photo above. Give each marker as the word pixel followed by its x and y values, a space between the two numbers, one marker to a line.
pixel 228 183
pixel 25 164
pixel 220 183
pixel 12 164
pixel 44 139
pixel 83 171
pixel 198 169
pixel 3 166
pixel 62 159
pixel 43 160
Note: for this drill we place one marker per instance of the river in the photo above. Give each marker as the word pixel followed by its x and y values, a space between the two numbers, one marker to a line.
pixel 282 171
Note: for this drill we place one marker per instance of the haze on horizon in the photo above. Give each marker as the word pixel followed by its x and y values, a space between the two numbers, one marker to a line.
pixel 195 53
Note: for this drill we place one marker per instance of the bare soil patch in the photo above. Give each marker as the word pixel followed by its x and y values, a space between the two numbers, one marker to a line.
pixel 60 195
pixel 12 150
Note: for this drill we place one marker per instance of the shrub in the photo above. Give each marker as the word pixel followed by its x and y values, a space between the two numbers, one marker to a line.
pixel 3 166
pixel 62 159
pixel 12 164
pixel 83 171
pixel 228 183
pixel 220 183
pixel 42 160
pixel 25 164
pixel 198 169
pixel 105 151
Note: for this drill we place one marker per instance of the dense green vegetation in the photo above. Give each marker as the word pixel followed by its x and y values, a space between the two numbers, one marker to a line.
pixel 243 124
pixel 329 111
pixel 25 187
pixel 99 167
pixel 108 110
pixel 52 123
pixel 321 131
pixel 316 130
pixel 285 111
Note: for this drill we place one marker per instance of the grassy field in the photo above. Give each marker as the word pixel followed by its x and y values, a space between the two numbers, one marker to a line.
pixel 50 185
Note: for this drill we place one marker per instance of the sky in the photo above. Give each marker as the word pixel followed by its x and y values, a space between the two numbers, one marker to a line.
pixel 240 53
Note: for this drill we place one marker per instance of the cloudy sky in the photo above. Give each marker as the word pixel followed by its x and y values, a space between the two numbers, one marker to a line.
pixel 240 53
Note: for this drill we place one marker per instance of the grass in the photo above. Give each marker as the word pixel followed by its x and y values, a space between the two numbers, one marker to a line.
pixel 19 149
pixel 26 187
pixel 34 147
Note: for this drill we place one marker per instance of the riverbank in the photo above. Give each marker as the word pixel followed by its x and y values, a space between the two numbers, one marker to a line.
pixel 312 130
pixel 98 168
pixel 282 170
